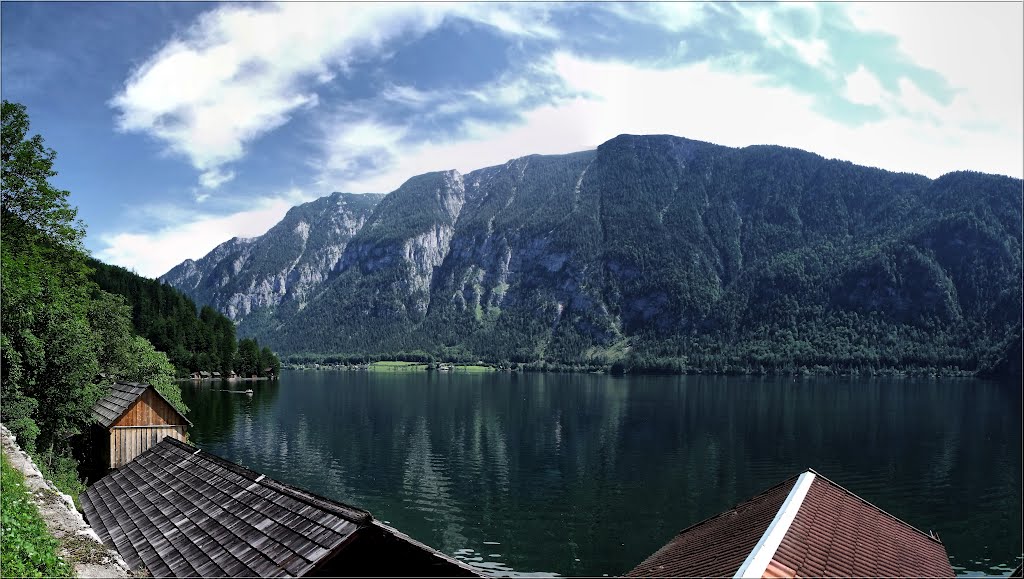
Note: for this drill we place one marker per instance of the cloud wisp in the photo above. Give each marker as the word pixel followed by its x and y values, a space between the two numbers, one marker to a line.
pixel 242 71
pixel 187 234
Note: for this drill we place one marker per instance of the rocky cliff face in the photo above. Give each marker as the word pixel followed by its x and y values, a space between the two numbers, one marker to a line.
pixel 650 242
pixel 284 265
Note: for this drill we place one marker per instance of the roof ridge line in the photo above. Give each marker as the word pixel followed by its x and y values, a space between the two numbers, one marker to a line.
pixel 761 555
pixel 164 398
pixel 931 536
pixel 353 514
pixel 427 548
pixel 738 505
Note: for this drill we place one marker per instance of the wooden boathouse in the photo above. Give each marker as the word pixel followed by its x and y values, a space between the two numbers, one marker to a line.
pixel 178 511
pixel 130 420
pixel 807 526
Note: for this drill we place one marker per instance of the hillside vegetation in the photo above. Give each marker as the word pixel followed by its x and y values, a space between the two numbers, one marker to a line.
pixel 68 331
pixel 651 253
pixel 193 341
pixel 63 339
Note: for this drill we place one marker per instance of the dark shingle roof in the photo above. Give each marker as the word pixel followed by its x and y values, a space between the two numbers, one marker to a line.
pixel 838 534
pixel 113 405
pixel 121 396
pixel 716 547
pixel 179 511
pixel 834 533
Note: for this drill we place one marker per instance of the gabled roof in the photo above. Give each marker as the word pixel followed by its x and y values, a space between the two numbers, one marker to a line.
pixel 716 547
pixel 807 526
pixel 179 511
pixel 122 395
pixel 836 533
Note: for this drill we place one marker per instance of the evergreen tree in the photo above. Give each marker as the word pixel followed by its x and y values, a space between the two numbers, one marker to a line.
pixel 248 359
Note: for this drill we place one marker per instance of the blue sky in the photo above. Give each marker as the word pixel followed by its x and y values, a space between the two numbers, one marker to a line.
pixel 180 125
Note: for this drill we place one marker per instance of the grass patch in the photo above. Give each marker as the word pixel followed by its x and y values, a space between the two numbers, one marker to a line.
pixel 396 366
pixel 26 547
pixel 471 368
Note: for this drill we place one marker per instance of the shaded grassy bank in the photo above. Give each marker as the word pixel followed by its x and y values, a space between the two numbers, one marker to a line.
pixel 26 547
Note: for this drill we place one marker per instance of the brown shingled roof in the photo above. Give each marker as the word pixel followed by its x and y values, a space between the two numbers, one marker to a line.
pixel 716 547
pixel 828 532
pixel 838 534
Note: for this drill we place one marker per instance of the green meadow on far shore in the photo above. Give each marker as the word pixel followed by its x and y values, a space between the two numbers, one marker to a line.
pixel 399 366
pixel 396 366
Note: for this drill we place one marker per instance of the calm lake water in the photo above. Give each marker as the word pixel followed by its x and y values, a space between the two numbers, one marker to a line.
pixel 589 474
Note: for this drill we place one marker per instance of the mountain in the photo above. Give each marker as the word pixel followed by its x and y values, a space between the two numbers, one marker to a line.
pixel 283 265
pixel 661 251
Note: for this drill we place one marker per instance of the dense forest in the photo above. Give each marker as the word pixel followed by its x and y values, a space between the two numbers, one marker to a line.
pixel 203 341
pixel 649 254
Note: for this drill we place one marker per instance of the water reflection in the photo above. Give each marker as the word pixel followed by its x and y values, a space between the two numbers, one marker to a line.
pixel 585 475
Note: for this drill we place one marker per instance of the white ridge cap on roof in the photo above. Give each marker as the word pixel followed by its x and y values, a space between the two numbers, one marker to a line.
pixel 759 558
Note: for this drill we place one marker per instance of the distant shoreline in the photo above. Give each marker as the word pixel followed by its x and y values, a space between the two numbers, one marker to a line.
pixel 482 367
pixel 221 379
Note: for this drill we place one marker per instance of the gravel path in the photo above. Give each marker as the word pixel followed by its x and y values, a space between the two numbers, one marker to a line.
pixel 80 545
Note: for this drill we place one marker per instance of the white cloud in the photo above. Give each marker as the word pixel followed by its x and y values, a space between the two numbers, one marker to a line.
pixel 672 16
pixel 546 130
pixel 701 102
pixel 191 235
pixel 408 95
pixel 863 88
pixel 215 178
pixel 241 71
pixel 772 22
pixel 364 153
pixel 508 93
pixel 978 47
pixel 356 146
pixel 737 109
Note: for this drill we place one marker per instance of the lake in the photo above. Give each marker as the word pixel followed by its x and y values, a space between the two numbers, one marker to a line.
pixel 581 474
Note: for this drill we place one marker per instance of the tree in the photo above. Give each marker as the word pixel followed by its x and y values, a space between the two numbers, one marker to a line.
pixel 124 356
pixel 269 360
pixel 30 203
pixel 248 359
pixel 47 349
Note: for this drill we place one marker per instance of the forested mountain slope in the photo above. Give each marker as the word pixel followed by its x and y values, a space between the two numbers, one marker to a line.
pixel 194 340
pixel 660 251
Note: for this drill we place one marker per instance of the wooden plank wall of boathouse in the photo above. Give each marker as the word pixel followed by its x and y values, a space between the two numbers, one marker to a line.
pixel 146 422
pixel 128 442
